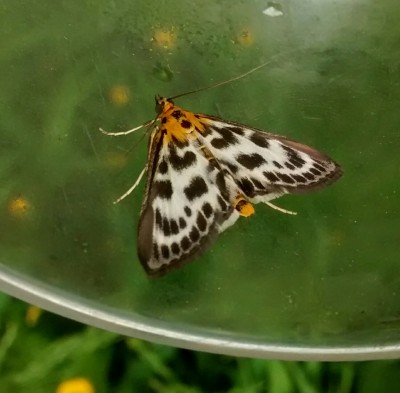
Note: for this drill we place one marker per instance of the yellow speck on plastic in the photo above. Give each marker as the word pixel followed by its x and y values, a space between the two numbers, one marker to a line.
pixel 164 38
pixel 245 37
pixel 116 160
pixel 119 95
pixel 19 207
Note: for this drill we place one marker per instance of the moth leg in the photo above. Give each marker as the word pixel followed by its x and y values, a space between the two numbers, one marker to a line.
pixel 133 187
pixel 206 152
pixel 148 123
pixel 280 209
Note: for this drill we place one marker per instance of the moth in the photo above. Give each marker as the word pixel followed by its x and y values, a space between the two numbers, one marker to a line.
pixel 204 172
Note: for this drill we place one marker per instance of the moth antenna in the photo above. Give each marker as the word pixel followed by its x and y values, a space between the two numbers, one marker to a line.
pixel 133 187
pixel 280 209
pixel 148 123
pixel 234 78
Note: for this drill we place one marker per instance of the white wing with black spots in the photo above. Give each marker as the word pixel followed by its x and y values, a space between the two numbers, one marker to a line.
pixel 189 200
pixel 263 165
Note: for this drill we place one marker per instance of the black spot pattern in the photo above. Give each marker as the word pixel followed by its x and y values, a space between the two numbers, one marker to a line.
pixel 297 161
pixel 188 211
pixel 155 251
pixel 247 186
pixel 158 218
pixel 207 210
pixel 294 157
pixel 251 161
pixel 196 188
pixel 222 203
pixel 164 189
pixel 232 168
pixel 236 130
pixel 271 176
pixel 182 223
pixel 257 183
pixel 276 163
pixel 220 143
pixel 201 222
pixel 179 163
pixel 194 234
pixel 186 123
pixel 285 178
pixel 176 114
pixel 163 167
pixel 185 243
pixel 259 140
pixel 174 227
pixel 319 167
pixel 315 171
pixel 175 248
pixel 308 175
pixel 207 131
pixel 299 178
pixel 288 165
pixel 165 251
pixel 227 134
pixel 220 182
pixel 212 164
pixel 165 227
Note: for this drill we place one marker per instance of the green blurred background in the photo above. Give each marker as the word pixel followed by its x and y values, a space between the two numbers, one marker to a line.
pixel 326 278
pixel 41 353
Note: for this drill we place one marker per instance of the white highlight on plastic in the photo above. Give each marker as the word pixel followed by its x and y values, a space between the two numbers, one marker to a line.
pixel 272 11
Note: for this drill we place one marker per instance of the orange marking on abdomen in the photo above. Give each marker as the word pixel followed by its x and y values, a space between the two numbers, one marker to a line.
pixel 244 207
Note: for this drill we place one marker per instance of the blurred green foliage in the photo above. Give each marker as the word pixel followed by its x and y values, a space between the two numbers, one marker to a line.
pixel 41 351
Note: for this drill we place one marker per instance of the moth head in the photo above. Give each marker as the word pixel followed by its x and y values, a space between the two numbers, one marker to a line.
pixel 161 103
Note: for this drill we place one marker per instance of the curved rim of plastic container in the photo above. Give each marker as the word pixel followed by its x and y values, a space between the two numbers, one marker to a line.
pixel 34 293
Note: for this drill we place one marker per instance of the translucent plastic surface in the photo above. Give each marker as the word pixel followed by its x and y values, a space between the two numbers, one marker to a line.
pixel 320 285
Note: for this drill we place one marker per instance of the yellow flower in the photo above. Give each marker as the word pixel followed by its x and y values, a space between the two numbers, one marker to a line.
pixel 75 385
pixel 32 315
pixel 164 38
pixel 19 207
pixel 119 95
pixel 245 37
